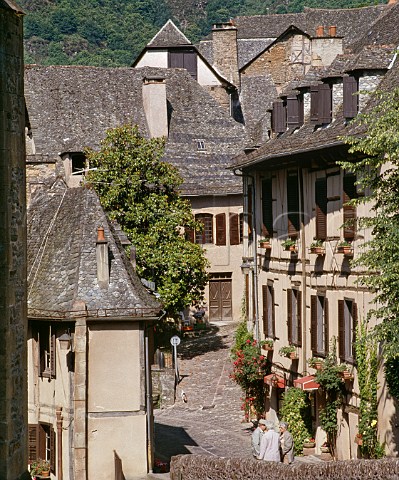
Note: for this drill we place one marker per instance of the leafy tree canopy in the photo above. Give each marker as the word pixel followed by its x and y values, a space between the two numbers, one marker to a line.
pixel 140 191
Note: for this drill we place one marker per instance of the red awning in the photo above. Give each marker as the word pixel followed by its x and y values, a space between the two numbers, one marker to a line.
pixel 274 380
pixel 306 383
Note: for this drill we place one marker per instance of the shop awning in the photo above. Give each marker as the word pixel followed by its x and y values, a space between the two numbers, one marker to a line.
pixel 275 380
pixel 306 383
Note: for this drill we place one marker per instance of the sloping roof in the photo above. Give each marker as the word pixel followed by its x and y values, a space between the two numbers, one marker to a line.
pixel 9 4
pixel 72 107
pixel 169 36
pixel 62 230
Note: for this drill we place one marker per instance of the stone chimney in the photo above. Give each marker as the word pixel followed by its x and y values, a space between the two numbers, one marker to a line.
pixel 326 46
pixel 102 259
pixel 155 106
pixel 392 2
pixel 225 55
pixel 332 30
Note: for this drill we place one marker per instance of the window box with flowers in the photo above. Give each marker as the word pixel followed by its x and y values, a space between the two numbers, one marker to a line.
pixel 309 443
pixel 40 468
pixel 316 363
pixel 317 247
pixel 290 245
pixel 346 248
pixel 265 243
pixel 267 345
pixel 289 352
pixel 345 372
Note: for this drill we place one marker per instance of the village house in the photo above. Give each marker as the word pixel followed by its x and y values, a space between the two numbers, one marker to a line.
pixel 303 290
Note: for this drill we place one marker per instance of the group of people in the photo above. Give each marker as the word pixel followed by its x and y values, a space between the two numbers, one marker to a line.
pixel 268 445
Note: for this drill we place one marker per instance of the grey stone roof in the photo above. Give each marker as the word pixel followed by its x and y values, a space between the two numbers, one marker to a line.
pixel 70 108
pixel 169 36
pixel 62 230
pixel 9 4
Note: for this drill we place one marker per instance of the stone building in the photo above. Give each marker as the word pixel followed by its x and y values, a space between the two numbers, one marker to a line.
pixel 89 342
pixel 304 296
pixel 13 419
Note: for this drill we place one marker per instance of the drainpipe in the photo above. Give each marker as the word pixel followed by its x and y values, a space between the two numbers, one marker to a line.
pixel 254 249
pixel 58 414
pixel 303 261
pixel 150 440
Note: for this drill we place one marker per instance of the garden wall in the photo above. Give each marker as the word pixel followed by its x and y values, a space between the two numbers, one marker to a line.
pixel 199 467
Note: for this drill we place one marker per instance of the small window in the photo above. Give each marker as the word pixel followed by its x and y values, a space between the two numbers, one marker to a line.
pixel 351 97
pixel 321 208
pixel 293 204
pixel 349 193
pixel 201 145
pixel 294 314
pixel 45 337
pixel 269 328
pixel 295 111
pixel 319 325
pixel 279 117
pixel 234 227
pixel 206 236
pixel 347 323
pixel 42 443
pixel 78 160
pixel 267 208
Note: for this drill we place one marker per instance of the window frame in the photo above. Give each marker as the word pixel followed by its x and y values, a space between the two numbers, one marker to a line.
pixel 269 319
pixel 294 316
pixel 46 346
pixel 207 235
pixel 319 330
pixel 321 208
pixel 347 324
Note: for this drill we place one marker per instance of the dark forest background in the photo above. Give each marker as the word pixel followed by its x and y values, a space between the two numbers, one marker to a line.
pixel 112 33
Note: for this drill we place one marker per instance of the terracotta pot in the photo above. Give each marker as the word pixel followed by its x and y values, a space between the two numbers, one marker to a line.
pixel 293 249
pixel 293 356
pixel 309 445
pixel 267 348
pixel 45 473
pixel 265 245
pixel 359 439
pixel 318 250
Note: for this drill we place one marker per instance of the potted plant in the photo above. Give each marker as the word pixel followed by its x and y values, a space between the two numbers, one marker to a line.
pixel 316 363
pixel 288 351
pixel 345 247
pixel 289 245
pixel 325 448
pixel 267 344
pixel 317 247
pixel 265 243
pixel 309 443
pixel 40 467
pixel 345 372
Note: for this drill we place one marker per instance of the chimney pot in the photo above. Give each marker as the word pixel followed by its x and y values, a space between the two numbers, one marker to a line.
pixel 100 234
pixel 320 31
pixel 392 2
pixel 332 30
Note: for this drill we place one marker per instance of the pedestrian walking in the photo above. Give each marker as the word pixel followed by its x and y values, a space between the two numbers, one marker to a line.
pixel 286 444
pixel 257 437
pixel 270 444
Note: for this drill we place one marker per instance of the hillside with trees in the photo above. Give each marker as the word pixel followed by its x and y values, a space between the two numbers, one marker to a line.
pixel 113 32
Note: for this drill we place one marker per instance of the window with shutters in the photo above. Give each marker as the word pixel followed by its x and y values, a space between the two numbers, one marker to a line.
pixel 269 326
pixel 221 229
pixel 319 325
pixel 349 193
pixel 279 117
pixel 347 323
pixel 241 227
pixel 294 314
pixel 267 208
pixel 350 96
pixel 293 204
pixel 184 58
pixel 42 444
pixel 46 343
pixel 250 214
pixel 321 104
pixel 234 228
pixel 206 236
pixel 321 208
pixel 295 111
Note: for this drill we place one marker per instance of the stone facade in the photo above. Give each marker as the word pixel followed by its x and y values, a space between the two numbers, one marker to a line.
pixel 13 387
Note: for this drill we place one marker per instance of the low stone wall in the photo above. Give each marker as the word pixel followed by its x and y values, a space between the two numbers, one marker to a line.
pixel 200 467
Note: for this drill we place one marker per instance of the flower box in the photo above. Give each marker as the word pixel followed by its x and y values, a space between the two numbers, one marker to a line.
pixel 309 444
pixel 346 375
pixel 265 245
pixel 318 250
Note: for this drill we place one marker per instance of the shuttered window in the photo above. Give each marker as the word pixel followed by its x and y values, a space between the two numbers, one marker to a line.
pixel 279 117
pixel 349 193
pixel 295 111
pixel 294 317
pixel 186 58
pixel 350 99
pixel 269 322
pixel 267 208
pixel 321 208
pixel 33 443
pixel 234 226
pixel 206 236
pixel 42 444
pixel 347 324
pixel 314 103
pixel 293 204
pixel 319 334
pixel 45 337
pixel 250 215
pixel 325 103
pixel 220 229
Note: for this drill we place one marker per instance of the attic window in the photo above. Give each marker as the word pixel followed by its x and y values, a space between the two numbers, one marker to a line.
pixel 78 163
pixel 279 117
pixel 201 145
pixel 351 99
pixel 321 104
pixel 295 111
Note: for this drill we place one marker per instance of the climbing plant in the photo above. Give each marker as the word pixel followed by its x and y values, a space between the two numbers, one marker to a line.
pixel 295 410
pixel 367 370
pixel 391 370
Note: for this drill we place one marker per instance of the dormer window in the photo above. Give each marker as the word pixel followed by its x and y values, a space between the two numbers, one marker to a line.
pixel 201 145
pixel 183 58
pixel 295 111
pixel 351 99
pixel 279 117
pixel 321 104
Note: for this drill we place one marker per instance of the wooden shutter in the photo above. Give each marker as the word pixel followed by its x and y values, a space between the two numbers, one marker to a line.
pixel 250 216
pixel 265 310
pixel 313 323
pixel 234 225
pixel 175 59
pixel 350 99
pixel 325 103
pixel 354 320
pixel 349 193
pixel 221 229
pixel 279 122
pixel 321 208
pixel 33 442
pixel 293 204
pixel 52 449
pixel 292 111
pixel 314 103
pixel 301 110
pixel 326 326
pixel 190 63
pixel 267 208
pixel 341 329
pixel 299 316
pixel 289 314
pixel 273 311
pixel 52 353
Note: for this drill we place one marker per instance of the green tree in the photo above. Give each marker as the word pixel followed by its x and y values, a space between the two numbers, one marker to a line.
pixel 377 149
pixel 140 191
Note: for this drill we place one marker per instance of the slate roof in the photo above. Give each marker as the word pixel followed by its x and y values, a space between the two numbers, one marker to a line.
pixel 62 230
pixel 169 36
pixel 9 4
pixel 72 107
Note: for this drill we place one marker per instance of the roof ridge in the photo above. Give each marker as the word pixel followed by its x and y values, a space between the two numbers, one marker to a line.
pixel 169 23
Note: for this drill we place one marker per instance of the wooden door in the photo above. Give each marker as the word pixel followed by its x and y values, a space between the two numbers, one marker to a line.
pixel 220 304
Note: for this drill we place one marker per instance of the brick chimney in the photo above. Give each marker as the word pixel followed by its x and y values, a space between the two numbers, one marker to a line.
pixel 155 106
pixel 392 2
pixel 102 259
pixel 225 54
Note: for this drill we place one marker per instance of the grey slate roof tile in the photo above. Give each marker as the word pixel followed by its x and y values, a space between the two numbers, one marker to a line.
pixel 169 36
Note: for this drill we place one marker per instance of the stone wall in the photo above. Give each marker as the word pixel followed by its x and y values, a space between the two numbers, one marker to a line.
pixel 13 324
pixel 199 467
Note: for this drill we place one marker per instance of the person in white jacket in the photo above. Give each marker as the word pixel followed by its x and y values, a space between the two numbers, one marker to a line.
pixel 270 444
pixel 257 437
